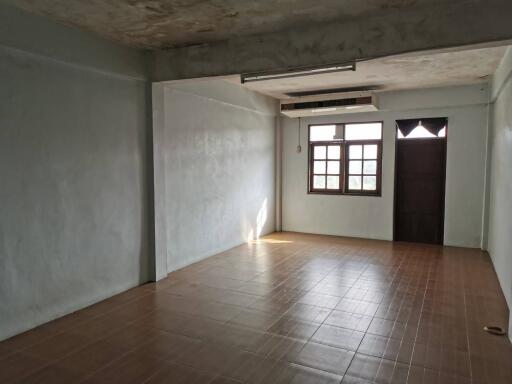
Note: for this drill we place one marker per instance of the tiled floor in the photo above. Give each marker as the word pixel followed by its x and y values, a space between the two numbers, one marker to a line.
pixel 289 308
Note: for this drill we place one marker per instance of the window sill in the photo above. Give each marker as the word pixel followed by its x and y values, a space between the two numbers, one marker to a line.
pixel 337 193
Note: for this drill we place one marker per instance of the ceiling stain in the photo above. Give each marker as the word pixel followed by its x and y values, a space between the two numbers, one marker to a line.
pixel 397 3
pixel 160 24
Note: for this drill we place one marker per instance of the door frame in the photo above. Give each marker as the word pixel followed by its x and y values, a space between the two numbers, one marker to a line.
pixel 443 182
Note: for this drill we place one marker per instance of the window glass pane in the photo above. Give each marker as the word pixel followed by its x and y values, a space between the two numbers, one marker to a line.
pixel 355 152
pixel 354 182
pixel 333 167
pixel 333 182
pixel 319 152
pixel 333 152
pixel 318 182
pixel 319 167
pixel 370 167
pixel 370 183
pixel 370 151
pixel 354 167
pixel 366 131
pixel 419 132
pixel 322 132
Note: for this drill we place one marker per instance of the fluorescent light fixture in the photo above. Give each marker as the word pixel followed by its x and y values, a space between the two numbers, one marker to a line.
pixel 262 76
pixel 353 107
pixel 323 110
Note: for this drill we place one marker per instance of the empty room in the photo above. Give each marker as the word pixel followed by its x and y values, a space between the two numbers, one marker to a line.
pixel 256 191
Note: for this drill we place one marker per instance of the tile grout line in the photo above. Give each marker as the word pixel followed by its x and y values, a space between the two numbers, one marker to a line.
pixel 394 324
pixel 419 322
pixel 467 337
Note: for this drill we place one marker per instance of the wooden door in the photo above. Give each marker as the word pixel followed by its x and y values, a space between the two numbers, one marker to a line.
pixel 419 190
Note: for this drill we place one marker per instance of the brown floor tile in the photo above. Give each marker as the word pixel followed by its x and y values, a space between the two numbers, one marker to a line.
pixel 420 375
pixel 297 329
pixel 132 368
pixel 446 360
pixel 338 337
pixel 18 366
pixel 242 338
pixel 491 369
pixel 219 311
pixel 97 327
pixel 252 368
pixel 132 336
pixel 288 308
pixel 255 288
pixel 320 300
pixel 252 318
pixel 281 348
pixel 168 346
pixel 377 370
pixel 211 357
pixel 308 313
pixel 68 322
pixel 180 374
pixel 234 298
pixel 56 347
pixel 222 283
pixel 92 357
pixel 6 351
pixel 29 338
pixel 331 289
pixel 349 320
pixel 272 306
pixel 358 307
pixel 387 328
pixel 387 348
pixel 324 357
pixel 297 374
pixel 366 295
pixel 53 374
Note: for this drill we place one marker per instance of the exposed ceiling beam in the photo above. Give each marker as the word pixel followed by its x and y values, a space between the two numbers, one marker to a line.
pixel 477 22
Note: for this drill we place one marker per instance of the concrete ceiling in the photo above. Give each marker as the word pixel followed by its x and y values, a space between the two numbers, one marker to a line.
pixel 396 72
pixel 157 24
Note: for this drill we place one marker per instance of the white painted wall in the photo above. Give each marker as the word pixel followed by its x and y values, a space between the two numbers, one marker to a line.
pixel 372 217
pixel 73 189
pixel 216 156
pixel 500 199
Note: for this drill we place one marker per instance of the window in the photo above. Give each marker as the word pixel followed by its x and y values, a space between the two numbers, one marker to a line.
pixel 345 158
pixel 420 132
pixel 428 128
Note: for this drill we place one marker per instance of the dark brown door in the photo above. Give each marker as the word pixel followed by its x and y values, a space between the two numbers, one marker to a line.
pixel 419 190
